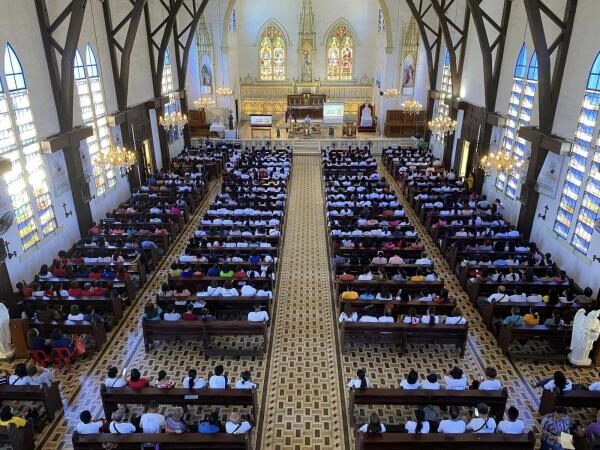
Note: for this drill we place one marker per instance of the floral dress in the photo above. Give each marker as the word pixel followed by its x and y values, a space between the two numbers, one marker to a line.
pixel 552 427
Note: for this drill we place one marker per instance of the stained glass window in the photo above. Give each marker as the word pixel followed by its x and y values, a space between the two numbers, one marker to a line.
pixel 167 89
pixel 27 181
pixel 584 160
pixel 272 54
pixel 93 113
pixel 380 22
pixel 446 87
pixel 340 54
pixel 523 90
pixel 233 21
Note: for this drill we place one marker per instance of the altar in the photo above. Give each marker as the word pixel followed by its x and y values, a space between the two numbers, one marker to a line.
pixel 300 106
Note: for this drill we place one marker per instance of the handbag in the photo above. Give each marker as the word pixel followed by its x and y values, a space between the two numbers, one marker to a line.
pixel 79 345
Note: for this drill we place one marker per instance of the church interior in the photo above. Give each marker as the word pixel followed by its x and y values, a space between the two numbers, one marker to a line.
pixel 248 224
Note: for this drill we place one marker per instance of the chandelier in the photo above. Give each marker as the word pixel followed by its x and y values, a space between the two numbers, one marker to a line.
pixel 173 120
pixel 502 161
pixel 116 157
pixel 442 125
pixel 412 106
pixel 392 92
pixel 204 102
pixel 224 91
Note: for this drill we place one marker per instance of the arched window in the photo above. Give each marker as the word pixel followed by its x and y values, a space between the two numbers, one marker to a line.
pixel 524 86
pixel 446 86
pixel 167 89
pixel 585 160
pixel 272 54
pixel 93 113
pixel 27 181
pixel 205 57
pixel 340 54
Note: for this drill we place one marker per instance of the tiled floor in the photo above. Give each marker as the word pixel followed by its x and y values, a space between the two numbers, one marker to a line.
pixel 303 405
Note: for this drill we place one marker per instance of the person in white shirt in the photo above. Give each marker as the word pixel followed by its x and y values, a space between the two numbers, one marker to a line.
pixel 368 276
pixel 257 315
pixel 75 313
pixel 456 380
pixel 499 296
pixel 558 381
pixel 454 425
pixel 431 382
pixel 235 424
pixel 490 383
pixel 360 382
pixel 20 377
pixel 368 318
pixel 411 381
pixel 595 386
pixel 113 379
pixel 218 380
pixel 152 421
pixel 374 426
pixel 117 426
pixel 39 376
pixel 192 381
pixel 171 315
pixel 430 317
pixel 347 315
pixel 455 317
pixel 244 382
pixel 86 426
pixel 518 296
pixel 482 423
pixel 423 260
pixel 420 426
pixel 387 316
pixel 513 425
pixel 264 292
pixel 412 317
pixel 248 290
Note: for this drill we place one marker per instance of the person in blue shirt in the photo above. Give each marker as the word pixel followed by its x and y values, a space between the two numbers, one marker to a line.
pixel 108 274
pixel 59 340
pixel 212 426
pixel 213 271
pixel 515 319
pixel 368 295
pixel 152 312
pixel 254 259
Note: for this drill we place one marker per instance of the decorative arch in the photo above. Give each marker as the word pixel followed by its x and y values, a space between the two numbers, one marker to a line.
pixel 272 52
pixel 340 43
pixel 389 41
pixel 225 24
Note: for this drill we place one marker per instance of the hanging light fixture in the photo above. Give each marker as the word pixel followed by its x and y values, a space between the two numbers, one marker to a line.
pixel 223 91
pixel 502 161
pixel 115 156
pixel 392 92
pixel 173 120
pixel 412 106
pixel 442 125
pixel 204 102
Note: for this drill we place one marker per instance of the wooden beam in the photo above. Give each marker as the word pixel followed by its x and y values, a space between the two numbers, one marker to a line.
pixel 63 140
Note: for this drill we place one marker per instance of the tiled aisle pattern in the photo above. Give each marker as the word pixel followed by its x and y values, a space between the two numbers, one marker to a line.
pixel 386 367
pixel 303 407
pixel 80 388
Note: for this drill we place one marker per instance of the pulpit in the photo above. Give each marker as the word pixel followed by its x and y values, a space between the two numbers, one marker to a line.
pixel 349 130
pixel 197 123
pixel 366 118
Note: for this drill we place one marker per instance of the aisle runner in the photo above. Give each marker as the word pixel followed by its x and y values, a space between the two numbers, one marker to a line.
pixel 303 407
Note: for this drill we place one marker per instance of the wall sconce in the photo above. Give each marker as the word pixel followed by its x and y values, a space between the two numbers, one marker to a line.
pixel 6 245
pixel 543 216
pixel 596 258
pixel 67 213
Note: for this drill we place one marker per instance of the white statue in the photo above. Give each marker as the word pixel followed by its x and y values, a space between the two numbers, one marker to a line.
pixel 586 330
pixel 7 350
pixel 366 118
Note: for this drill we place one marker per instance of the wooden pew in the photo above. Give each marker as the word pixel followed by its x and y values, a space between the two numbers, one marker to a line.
pixel 404 334
pixel 571 399
pixel 49 396
pixel 110 304
pixel 198 330
pixel 477 288
pixel 219 304
pixel 19 438
pixel 183 441
pixel 496 400
pixel 463 441
pixel 72 327
pixel 558 337
pixel 398 306
pixel 112 397
pixel 502 309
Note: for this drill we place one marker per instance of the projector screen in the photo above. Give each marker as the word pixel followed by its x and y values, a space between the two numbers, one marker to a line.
pixel 333 113
pixel 257 120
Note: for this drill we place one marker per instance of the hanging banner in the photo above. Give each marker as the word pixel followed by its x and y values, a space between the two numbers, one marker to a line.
pixel 547 182
pixel 57 171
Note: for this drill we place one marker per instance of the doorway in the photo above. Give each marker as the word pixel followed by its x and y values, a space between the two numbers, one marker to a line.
pixel 465 155
pixel 148 162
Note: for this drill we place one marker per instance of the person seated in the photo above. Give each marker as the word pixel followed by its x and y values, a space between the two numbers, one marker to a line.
pixel 518 297
pixel 367 276
pixel 212 426
pixel 513 425
pixel 39 376
pixel 7 417
pixel 20 377
pixel 423 260
pixel 499 296
pixel 558 382
pixel 235 424
pixel 482 423
pixel 192 381
pixel 163 381
pixel 152 421
pixel 75 313
pixel 170 314
pixel 585 299
pixel 430 317
pixel 118 426
pixel 368 318
pixel 454 425
pixel 257 315
pixel 515 319
pixel 175 422
pixel 555 320
pixel 411 318
pixel 387 316
pixel 431 382
pixel 374 426
pixel 380 259
pixel 244 381
pixel 367 295
pixel 456 380
pixel 456 317
pixel 361 381
pixel 349 294
pixel 113 379
pixel 411 381
pixel 531 318
pixel 419 425
pixel 181 291
pixel 347 315
pixel 136 381
pixel 592 431
pixel 218 380
pixel 59 340
pixel 152 312
pixel 418 276
pixel 595 386
pixel 490 383
pixel 248 290
pixel 86 425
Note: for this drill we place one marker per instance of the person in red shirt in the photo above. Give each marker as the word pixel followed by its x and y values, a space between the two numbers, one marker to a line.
pixel 75 290
pixel 189 313
pixel 122 274
pixel 87 290
pixel 239 273
pixel 98 291
pixel 95 273
pixel 95 229
pixel 49 291
pixel 58 269
pixel 23 290
pixel 76 258
pixel 136 381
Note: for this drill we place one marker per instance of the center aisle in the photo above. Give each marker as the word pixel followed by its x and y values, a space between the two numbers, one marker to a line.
pixel 303 406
